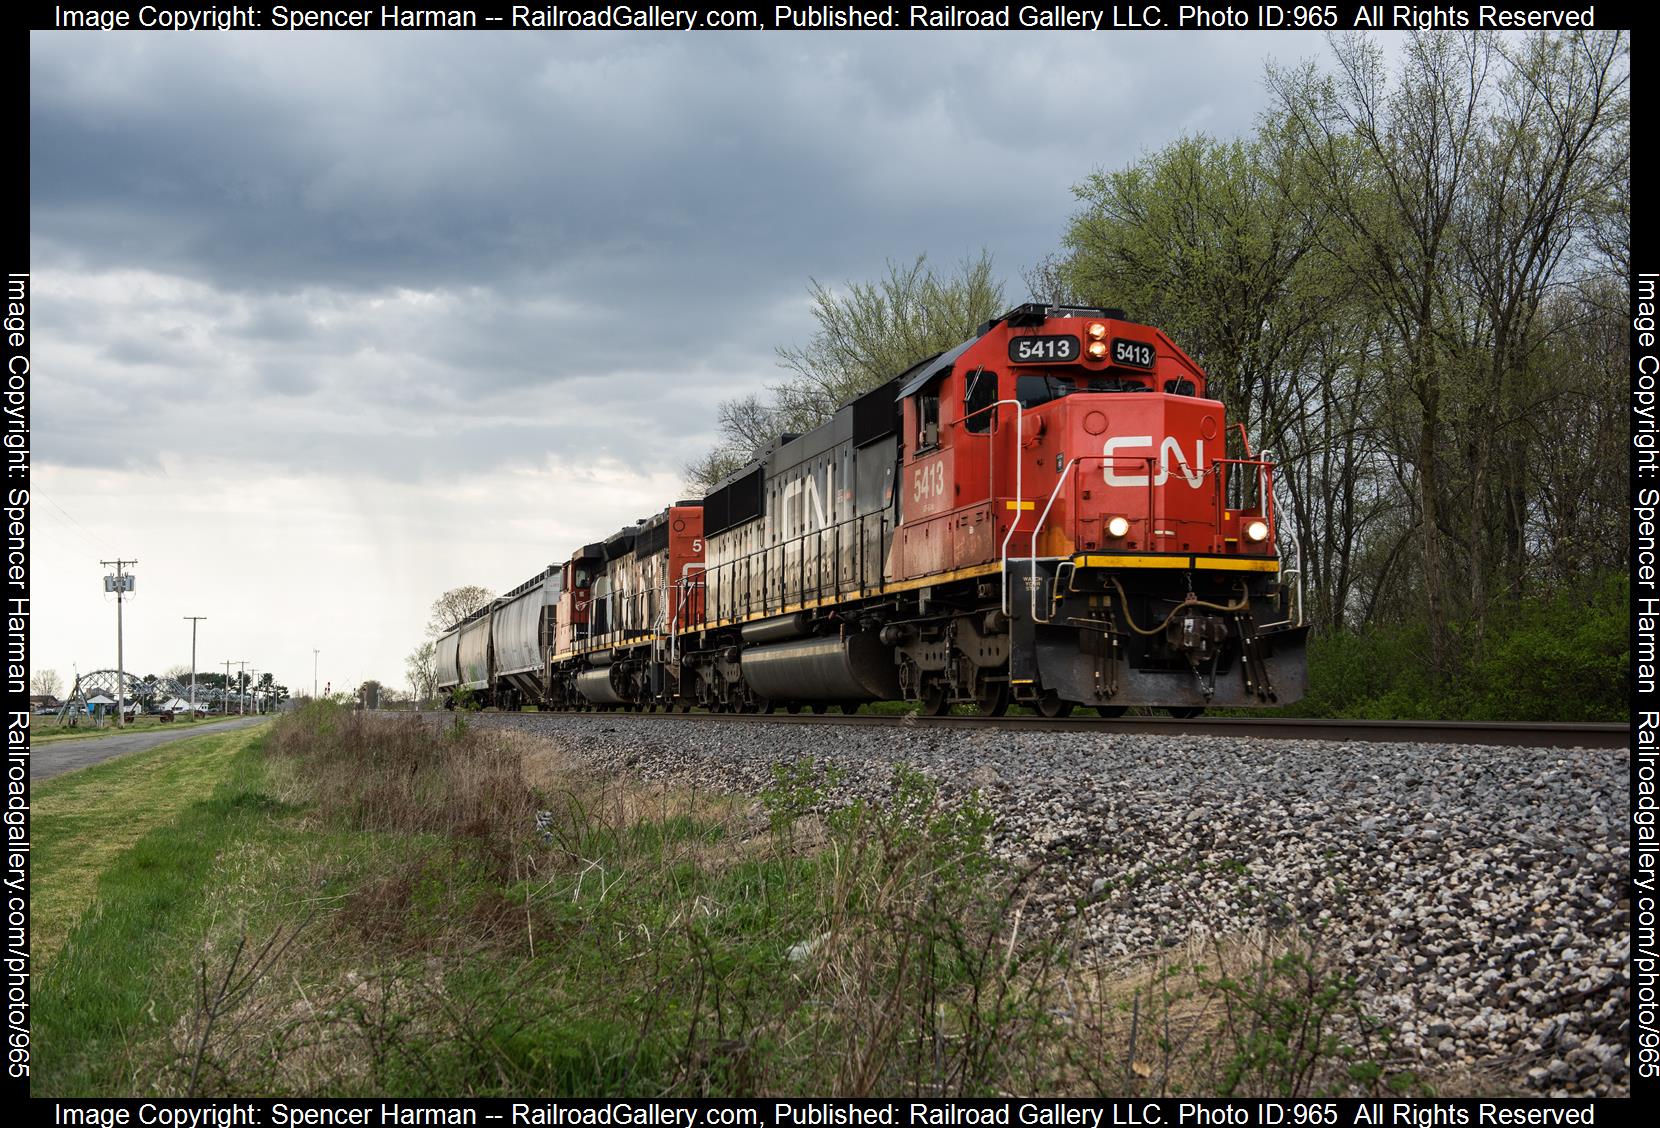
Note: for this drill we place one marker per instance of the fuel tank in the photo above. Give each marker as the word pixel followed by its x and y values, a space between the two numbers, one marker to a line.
pixel 597 686
pixel 855 668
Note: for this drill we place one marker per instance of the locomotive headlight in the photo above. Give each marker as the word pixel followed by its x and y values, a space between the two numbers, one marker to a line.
pixel 1097 349
pixel 1096 330
pixel 1257 530
pixel 1118 526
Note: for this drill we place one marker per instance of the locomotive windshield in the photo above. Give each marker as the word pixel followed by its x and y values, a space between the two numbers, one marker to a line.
pixel 1035 388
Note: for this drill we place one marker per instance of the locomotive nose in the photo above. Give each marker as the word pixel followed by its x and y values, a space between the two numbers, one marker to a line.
pixel 1146 471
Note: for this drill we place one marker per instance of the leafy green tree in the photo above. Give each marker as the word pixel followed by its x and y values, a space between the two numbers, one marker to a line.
pixel 1214 242
pixel 868 333
pixel 873 331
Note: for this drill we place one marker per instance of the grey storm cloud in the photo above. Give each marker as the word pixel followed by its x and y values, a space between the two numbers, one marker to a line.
pixel 371 316
pixel 420 234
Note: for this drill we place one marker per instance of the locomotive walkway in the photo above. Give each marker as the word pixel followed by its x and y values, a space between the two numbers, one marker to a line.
pixel 60 756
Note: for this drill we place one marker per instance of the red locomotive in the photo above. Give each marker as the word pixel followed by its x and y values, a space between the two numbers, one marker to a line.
pixel 1043 514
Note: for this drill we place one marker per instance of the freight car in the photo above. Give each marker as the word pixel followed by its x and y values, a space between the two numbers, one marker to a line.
pixel 498 653
pixel 1045 514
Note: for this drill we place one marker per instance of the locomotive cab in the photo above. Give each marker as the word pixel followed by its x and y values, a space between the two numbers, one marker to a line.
pixel 575 597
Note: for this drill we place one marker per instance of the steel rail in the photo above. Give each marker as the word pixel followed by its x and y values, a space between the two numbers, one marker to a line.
pixel 1523 734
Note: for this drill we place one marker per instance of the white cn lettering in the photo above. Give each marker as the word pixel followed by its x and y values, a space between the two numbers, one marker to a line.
pixel 817 503
pixel 802 498
pixel 1195 475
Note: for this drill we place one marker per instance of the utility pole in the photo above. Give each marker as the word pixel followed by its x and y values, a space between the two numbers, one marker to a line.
pixel 253 686
pixel 194 619
pixel 314 653
pixel 120 584
pixel 241 698
pixel 224 698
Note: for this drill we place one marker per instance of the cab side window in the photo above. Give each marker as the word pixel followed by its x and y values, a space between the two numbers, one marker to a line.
pixel 980 392
pixel 928 419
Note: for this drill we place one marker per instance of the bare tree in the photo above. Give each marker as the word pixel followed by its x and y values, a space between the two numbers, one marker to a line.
pixel 421 667
pixel 1414 139
pixel 455 605
pixel 45 683
pixel 1049 280
pixel 1538 180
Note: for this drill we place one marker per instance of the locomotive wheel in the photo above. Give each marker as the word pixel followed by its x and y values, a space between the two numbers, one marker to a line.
pixel 793 708
pixel 935 701
pixel 1051 706
pixel 1110 711
pixel 850 707
pixel 1184 712
pixel 686 708
pixel 768 707
pixel 820 708
pixel 995 701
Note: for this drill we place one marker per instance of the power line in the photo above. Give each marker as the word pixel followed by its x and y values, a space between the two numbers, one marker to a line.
pixel 96 540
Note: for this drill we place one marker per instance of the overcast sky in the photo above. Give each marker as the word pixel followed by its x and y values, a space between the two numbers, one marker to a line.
pixel 328 324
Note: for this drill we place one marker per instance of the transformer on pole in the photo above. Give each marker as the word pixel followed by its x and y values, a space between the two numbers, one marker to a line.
pixel 120 583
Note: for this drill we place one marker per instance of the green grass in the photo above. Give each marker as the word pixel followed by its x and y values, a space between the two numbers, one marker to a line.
pixel 108 984
pixel 84 820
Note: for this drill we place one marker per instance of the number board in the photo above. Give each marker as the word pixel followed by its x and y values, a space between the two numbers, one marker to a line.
pixel 1042 350
pixel 1136 354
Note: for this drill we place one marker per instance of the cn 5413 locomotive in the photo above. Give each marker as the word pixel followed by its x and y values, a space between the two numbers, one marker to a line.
pixel 1043 515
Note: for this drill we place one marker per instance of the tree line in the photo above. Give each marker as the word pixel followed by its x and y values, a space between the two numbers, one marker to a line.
pixel 49 683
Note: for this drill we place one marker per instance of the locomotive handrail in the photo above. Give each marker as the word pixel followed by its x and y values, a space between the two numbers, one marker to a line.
pixel 1019 488
pixel 1031 583
pixel 715 574
pixel 1265 484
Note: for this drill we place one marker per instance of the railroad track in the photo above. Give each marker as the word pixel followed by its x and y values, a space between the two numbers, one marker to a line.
pixel 1523 734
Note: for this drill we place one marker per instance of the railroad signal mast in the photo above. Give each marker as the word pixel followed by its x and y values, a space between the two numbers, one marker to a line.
pixel 120 582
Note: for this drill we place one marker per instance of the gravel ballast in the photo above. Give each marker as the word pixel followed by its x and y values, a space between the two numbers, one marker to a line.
pixel 1475 893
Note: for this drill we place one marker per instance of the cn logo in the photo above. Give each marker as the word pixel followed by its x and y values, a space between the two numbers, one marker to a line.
pixel 1118 457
